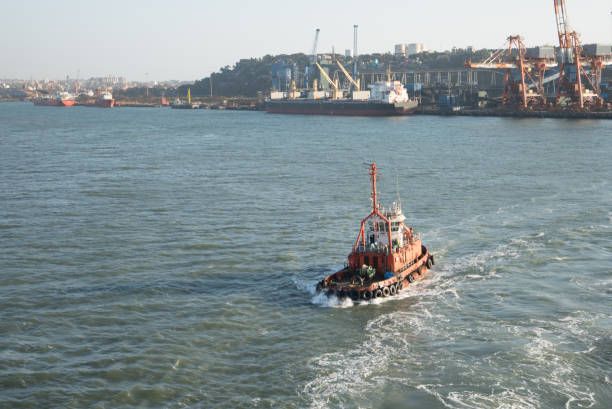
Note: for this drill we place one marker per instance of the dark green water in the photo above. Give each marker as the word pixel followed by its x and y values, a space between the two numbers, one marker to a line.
pixel 162 258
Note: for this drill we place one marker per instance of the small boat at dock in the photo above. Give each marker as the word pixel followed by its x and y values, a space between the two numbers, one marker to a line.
pixel 61 99
pixel 387 256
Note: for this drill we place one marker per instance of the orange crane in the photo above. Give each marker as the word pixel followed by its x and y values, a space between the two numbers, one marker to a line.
pixel 573 60
pixel 514 56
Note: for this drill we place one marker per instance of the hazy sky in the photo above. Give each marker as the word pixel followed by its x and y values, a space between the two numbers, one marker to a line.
pixel 189 39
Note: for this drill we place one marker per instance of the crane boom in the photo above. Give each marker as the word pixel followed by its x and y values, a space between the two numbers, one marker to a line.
pixel 326 76
pixel 355 53
pixel 313 54
pixel 337 93
pixel 572 59
pixel 351 80
pixel 563 31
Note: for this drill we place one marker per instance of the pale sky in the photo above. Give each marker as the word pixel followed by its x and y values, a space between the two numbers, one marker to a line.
pixel 189 39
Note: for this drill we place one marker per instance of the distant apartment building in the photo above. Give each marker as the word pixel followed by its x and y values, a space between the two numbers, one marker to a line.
pixel 416 48
pixel 405 50
pixel 400 50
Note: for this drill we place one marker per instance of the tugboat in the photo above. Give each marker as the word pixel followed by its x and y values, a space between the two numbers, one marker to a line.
pixel 387 256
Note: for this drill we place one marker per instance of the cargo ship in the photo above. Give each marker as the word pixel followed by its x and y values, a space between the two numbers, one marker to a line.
pixel 385 98
pixel 103 100
pixel 386 257
pixel 62 99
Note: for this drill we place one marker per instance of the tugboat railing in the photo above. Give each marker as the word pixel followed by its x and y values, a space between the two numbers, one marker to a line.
pixel 382 248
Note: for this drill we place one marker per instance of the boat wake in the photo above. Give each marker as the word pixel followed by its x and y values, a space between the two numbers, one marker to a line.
pixel 399 347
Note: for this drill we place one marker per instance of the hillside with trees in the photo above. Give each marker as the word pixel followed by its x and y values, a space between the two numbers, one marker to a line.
pixel 248 77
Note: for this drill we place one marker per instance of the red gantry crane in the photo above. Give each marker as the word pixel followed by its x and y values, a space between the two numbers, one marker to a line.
pixel 579 73
pixel 518 89
pixel 576 64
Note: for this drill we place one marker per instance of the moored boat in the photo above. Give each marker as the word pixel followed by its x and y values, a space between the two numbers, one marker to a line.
pixel 62 99
pixel 386 257
pixel 105 100
pixel 385 98
pixel 179 104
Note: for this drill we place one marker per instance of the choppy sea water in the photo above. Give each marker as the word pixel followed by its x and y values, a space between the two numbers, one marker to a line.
pixel 168 258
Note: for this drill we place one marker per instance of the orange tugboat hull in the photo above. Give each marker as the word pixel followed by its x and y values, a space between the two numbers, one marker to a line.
pixel 348 283
pixel 105 103
pixel 52 102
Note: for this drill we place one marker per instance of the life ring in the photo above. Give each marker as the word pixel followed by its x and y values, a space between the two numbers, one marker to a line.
pixel 386 291
pixel 392 289
pixel 367 295
pixel 398 287
pixel 378 293
pixel 411 278
pixel 428 263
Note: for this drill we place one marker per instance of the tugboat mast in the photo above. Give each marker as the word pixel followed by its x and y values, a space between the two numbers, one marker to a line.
pixel 373 173
pixel 375 211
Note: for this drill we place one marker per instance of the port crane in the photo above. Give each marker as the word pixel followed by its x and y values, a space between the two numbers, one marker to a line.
pixel 577 69
pixel 313 59
pixel 354 83
pixel 514 56
pixel 576 64
pixel 337 92
pixel 355 27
